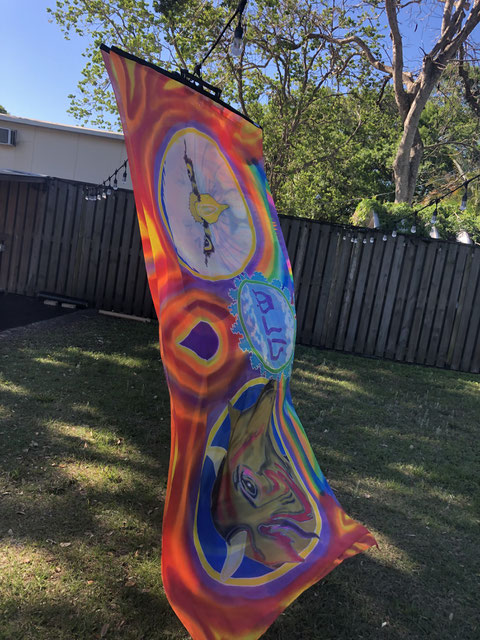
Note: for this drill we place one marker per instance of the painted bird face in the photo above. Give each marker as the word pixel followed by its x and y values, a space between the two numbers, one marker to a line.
pixel 258 502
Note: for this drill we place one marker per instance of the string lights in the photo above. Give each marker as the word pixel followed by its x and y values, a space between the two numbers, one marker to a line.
pixel 104 189
pixel 236 47
pixel 401 222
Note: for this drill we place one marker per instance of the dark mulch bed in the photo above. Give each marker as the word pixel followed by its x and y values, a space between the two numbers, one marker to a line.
pixel 17 311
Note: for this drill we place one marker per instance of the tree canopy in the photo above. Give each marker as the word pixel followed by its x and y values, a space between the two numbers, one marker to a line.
pixel 343 119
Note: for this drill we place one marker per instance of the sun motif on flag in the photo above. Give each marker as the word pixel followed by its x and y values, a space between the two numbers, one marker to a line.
pixel 203 207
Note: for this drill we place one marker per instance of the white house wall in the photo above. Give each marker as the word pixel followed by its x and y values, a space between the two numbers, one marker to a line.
pixel 62 151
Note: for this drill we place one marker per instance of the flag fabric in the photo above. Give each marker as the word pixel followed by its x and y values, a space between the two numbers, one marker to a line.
pixel 250 521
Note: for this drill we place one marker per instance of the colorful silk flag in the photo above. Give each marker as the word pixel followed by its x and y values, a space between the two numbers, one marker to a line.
pixel 250 521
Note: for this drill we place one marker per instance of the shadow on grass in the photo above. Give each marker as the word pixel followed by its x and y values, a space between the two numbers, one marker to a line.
pixel 84 449
pixel 84 433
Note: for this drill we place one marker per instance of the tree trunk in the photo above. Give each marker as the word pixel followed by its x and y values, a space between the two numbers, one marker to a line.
pixel 410 150
pixel 406 166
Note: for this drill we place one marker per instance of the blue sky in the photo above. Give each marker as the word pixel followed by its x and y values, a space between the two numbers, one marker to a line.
pixel 39 68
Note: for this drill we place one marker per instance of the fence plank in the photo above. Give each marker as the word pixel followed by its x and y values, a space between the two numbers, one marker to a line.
pixel 4 190
pixel 327 291
pixel 32 208
pixel 390 297
pixel 444 289
pixel 401 299
pixel 321 306
pixel 306 335
pixel 141 289
pixel 475 362
pixel 285 224
pixel 380 292
pixel 74 240
pixel 51 276
pixel 104 251
pixel 37 245
pixel 148 308
pixel 4 235
pixel 9 231
pixel 82 263
pixel 135 266
pixel 354 319
pixel 300 253
pixel 305 283
pixel 421 302
pixel 124 253
pixel 334 304
pixel 473 326
pixel 18 235
pixel 451 311
pixel 355 258
pixel 114 253
pixel 411 303
pixel 295 226
pixel 367 304
pixel 431 305
pixel 71 211
pixel 47 233
pixel 465 308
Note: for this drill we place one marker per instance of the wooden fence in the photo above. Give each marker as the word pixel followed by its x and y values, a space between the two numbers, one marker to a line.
pixel 405 298
pixel 58 242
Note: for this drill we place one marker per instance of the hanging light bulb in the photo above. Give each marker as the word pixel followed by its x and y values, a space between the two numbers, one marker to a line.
pixel 236 47
pixel 414 228
pixel 372 239
pixel 109 187
pixel 86 194
pixel 364 241
pixel 385 237
pixel 394 233
pixel 463 237
pixel 104 193
pixel 124 176
pixel 115 182
pixel 434 233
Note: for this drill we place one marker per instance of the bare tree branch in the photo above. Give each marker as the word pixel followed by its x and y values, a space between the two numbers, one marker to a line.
pixel 401 96
pixel 473 100
pixel 447 16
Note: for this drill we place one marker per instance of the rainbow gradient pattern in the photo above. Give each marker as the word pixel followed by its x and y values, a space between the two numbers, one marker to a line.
pixel 250 521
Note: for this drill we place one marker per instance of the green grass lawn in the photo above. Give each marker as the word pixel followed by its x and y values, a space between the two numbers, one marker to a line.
pixel 84 448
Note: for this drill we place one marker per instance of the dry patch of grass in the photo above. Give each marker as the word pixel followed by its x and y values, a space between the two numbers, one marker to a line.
pixel 84 446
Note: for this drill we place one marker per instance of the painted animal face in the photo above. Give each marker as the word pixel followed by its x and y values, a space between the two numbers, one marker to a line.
pixel 258 502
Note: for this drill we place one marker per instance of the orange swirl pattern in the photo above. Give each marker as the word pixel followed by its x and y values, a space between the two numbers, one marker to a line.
pixel 208 223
